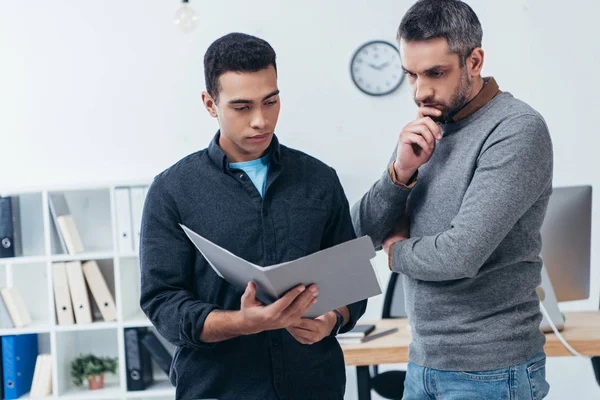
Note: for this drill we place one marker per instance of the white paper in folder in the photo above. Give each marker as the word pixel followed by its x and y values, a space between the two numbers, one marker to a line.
pixel 343 273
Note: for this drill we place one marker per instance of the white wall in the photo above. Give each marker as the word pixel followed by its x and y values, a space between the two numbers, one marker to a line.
pixel 100 91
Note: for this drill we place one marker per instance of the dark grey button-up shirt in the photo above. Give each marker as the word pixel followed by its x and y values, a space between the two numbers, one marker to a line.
pixel 304 210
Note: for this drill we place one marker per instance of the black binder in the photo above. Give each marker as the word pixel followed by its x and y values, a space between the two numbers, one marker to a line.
pixel 9 227
pixel 1 374
pixel 157 351
pixel 137 361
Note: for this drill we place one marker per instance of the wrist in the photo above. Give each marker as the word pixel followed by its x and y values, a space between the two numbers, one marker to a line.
pixel 244 326
pixel 338 322
pixel 403 175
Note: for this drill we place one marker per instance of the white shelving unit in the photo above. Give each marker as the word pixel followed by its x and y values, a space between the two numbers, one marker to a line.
pixel 93 209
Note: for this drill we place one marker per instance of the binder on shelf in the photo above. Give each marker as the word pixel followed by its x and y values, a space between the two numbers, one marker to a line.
pixel 10 227
pixel 19 354
pixel 137 361
pixel 137 205
pixel 62 295
pixel 5 318
pixel 157 351
pixel 42 377
pixel 123 214
pixel 1 372
pixel 79 295
pixel 65 224
pixel 102 296
pixel 15 306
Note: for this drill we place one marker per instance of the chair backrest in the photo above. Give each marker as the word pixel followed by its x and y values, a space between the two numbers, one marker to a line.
pixel 393 303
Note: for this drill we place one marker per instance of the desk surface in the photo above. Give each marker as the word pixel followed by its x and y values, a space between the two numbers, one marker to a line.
pixel 582 332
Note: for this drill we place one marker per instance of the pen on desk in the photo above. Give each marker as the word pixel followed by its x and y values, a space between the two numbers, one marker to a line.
pixel 378 335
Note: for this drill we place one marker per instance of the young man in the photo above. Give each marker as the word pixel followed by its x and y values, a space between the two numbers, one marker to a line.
pixel 265 203
pixel 472 174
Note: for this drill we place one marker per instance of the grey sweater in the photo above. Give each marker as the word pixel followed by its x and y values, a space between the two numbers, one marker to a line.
pixel 471 264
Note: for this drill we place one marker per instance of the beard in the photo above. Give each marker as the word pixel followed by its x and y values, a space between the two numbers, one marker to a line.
pixel 459 99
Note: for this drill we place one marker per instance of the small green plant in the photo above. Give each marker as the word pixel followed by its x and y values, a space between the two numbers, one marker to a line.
pixel 88 365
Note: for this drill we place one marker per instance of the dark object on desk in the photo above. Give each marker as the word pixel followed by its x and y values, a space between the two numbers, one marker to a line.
pixel 359 331
pixel 389 384
pixel 356 334
pixel 379 334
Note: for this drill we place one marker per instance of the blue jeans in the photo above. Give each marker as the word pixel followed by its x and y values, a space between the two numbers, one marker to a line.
pixel 525 381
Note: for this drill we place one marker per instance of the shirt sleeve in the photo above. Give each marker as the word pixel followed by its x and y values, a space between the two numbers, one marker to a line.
pixel 382 207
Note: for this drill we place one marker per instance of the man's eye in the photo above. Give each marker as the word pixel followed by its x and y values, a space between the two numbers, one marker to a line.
pixel 241 108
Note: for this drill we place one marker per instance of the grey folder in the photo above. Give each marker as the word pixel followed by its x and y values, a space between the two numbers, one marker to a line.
pixel 343 273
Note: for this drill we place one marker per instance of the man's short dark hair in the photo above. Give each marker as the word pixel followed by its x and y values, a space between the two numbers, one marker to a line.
pixel 235 52
pixel 453 20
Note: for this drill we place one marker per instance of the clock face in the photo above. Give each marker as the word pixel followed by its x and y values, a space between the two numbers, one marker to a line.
pixel 376 68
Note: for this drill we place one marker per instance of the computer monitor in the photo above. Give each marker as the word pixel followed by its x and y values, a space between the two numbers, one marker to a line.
pixel 566 242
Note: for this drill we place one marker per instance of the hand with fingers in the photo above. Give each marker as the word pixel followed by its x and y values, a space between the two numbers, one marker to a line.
pixel 416 143
pixel 283 313
pixel 310 331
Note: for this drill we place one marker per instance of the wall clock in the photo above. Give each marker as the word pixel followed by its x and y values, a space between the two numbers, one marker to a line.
pixel 376 68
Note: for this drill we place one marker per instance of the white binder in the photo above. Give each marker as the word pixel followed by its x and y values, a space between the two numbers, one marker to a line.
pixel 16 308
pixel 67 229
pixel 41 385
pixel 137 205
pixel 79 295
pixel 124 226
pixel 102 296
pixel 62 296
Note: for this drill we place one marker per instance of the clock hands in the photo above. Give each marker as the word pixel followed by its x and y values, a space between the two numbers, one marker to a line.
pixel 378 67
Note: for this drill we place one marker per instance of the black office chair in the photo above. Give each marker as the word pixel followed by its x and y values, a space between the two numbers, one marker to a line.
pixel 596 366
pixel 390 384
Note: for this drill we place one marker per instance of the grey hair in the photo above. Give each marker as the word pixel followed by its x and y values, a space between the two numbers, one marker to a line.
pixel 453 20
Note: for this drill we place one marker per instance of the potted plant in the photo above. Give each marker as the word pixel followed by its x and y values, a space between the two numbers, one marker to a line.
pixel 93 369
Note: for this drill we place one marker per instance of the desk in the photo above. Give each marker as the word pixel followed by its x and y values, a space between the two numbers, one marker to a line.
pixel 582 332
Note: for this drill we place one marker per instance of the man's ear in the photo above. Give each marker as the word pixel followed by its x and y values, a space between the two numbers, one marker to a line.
pixel 210 104
pixel 475 62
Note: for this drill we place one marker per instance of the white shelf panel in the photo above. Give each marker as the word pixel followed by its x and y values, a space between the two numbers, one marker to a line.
pixel 35 327
pixel 23 260
pixel 137 320
pixel 128 255
pixel 158 389
pixel 138 324
pixel 110 391
pixel 86 327
pixel 26 396
pixel 82 256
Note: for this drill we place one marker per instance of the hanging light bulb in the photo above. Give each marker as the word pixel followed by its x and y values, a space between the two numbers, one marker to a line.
pixel 186 18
